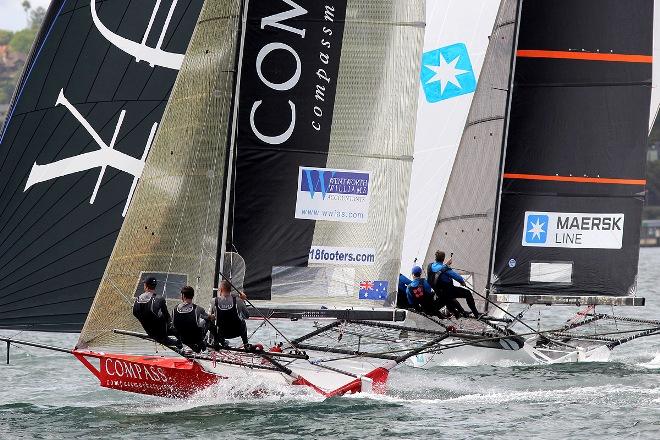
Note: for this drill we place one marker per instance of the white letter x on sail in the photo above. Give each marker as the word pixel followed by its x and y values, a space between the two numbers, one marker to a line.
pixel 106 156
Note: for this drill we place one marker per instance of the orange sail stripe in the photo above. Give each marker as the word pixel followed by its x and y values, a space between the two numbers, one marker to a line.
pixel 586 56
pixel 575 179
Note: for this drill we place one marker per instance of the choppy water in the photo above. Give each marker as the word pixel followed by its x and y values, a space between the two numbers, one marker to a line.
pixel 51 396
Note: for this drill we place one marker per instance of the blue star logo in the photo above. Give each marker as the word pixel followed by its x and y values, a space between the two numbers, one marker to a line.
pixel 447 72
pixel 536 229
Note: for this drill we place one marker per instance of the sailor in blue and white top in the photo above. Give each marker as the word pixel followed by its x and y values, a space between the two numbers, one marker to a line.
pixel 442 277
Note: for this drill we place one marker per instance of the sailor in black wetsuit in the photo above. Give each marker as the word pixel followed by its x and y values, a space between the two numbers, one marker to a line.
pixel 230 315
pixel 151 310
pixel 190 321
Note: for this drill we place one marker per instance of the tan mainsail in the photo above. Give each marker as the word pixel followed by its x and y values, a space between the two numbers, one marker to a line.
pixel 465 223
pixel 173 222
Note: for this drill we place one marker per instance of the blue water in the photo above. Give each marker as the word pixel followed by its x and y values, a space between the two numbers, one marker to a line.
pixel 47 395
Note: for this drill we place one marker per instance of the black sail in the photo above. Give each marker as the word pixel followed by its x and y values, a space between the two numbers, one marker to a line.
pixel 323 145
pixel 73 146
pixel 574 169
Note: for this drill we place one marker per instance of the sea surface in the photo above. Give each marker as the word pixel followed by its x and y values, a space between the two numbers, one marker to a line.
pixel 49 395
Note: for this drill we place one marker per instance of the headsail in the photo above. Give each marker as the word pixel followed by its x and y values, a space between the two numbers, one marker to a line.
pixel 455 42
pixel 465 223
pixel 324 147
pixel 73 147
pixel 574 169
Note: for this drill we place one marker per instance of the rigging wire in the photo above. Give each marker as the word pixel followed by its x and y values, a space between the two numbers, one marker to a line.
pixel 259 311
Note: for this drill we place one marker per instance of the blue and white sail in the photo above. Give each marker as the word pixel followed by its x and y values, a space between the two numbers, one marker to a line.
pixel 455 43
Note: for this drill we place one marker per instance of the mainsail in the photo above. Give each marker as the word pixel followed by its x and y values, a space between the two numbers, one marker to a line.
pixel 259 75
pixel 172 227
pixel 573 176
pixel 323 148
pixel 455 42
pixel 465 222
pixel 73 147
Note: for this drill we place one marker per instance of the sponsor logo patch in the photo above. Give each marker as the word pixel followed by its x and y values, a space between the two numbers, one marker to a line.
pixel 573 230
pixel 342 256
pixel 447 73
pixel 334 195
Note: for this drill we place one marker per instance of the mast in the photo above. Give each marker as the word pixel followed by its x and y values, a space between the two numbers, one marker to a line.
pixel 509 94
pixel 231 150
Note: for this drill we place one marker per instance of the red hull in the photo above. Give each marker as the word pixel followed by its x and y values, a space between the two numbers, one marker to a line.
pixel 180 378
pixel 157 376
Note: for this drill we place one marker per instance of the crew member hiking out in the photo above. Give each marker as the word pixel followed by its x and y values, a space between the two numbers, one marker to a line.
pixel 419 293
pixel 150 309
pixel 190 321
pixel 442 279
pixel 230 315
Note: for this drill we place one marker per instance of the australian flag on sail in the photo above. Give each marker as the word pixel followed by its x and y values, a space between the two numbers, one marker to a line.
pixel 373 290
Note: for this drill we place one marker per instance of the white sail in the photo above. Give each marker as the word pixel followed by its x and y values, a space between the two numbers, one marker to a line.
pixel 457 35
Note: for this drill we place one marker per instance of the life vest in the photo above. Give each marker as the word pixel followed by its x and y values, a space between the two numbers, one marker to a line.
pixel 154 325
pixel 185 321
pixel 435 278
pixel 227 320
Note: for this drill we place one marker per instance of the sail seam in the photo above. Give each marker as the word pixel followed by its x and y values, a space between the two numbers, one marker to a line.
pixel 591 84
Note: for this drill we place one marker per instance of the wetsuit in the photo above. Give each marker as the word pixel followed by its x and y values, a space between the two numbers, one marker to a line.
pixel 151 310
pixel 420 296
pixel 443 277
pixel 230 315
pixel 191 324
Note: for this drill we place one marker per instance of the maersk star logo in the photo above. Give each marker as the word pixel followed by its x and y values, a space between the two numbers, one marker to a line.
pixel 536 230
pixel 447 72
